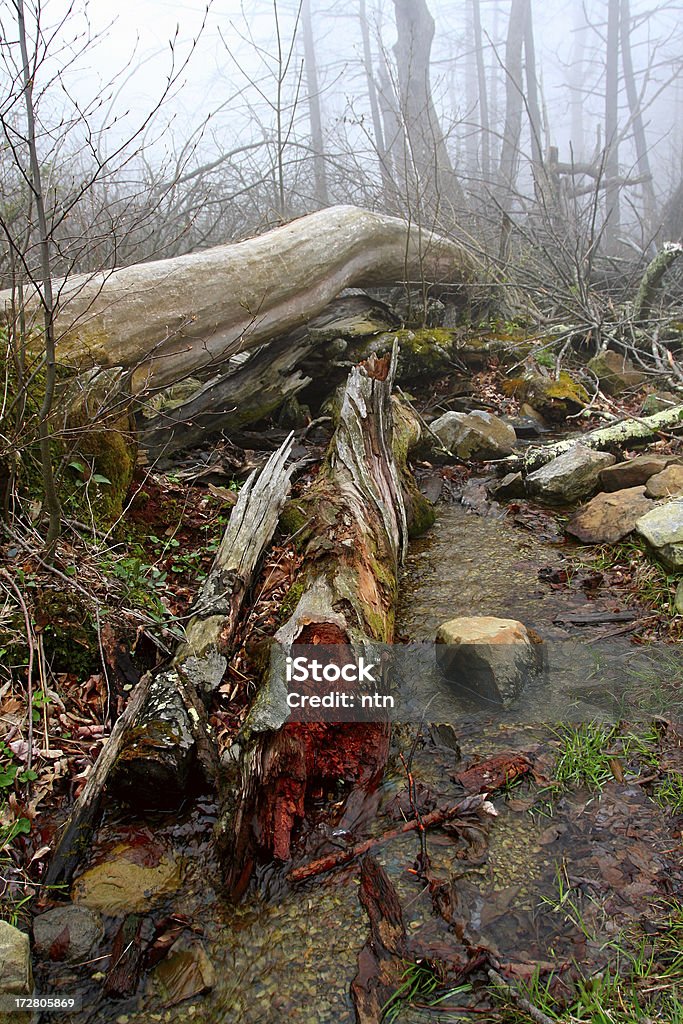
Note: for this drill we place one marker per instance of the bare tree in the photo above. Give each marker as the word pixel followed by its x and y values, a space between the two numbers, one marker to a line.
pixel 314 107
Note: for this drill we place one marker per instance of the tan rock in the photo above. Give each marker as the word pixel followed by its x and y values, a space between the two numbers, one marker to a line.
pixel 487 657
pixel 667 484
pixel 635 472
pixel 131 878
pixel 609 517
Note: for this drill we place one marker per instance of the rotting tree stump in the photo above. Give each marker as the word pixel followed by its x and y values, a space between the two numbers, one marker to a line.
pixel 352 530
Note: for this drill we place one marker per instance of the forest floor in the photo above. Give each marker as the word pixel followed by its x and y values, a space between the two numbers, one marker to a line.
pixel 570 885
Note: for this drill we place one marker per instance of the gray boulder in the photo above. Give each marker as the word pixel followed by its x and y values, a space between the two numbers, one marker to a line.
pixel 67 933
pixel 16 976
pixel 475 435
pixel 569 477
pixel 662 529
pixel 609 517
pixel 488 657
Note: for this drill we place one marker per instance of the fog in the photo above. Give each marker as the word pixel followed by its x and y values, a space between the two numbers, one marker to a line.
pixel 168 127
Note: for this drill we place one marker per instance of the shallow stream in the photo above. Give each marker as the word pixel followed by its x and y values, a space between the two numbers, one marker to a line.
pixel 292 956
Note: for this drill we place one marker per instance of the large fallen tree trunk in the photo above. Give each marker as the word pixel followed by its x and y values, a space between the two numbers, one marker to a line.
pixel 170 319
pixel 266 379
pixel 150 751
pixel 351 527
pixel 629 432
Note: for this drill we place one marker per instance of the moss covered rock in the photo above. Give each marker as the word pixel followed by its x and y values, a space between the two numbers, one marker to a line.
pixel 553 399
pixel 615 372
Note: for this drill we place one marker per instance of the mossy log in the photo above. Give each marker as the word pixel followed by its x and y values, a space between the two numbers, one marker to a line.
pixel 352 528
pixel 652 280
pixel 626 433
pixel 163 728
pixel 164 321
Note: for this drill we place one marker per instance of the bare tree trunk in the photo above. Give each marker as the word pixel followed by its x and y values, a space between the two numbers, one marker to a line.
pixel 532 97
pixel 433 173
pixel 576 81
pixel 514 99
pixel 314 107
pixel 482 92
pixel 643 160
pixel 45 292
pixel 612 122
pixel 388 186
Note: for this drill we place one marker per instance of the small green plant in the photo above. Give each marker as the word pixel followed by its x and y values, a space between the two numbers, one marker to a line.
pixel 422 985
pixel 669 792
pixel 589 753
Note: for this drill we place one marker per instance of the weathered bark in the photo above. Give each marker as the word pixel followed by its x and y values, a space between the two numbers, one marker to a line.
pixel 153 768
pixel 629 432
pixel 164 723
pixel 351 528
pixel 652 279
pixel 266 379
pixel 170 319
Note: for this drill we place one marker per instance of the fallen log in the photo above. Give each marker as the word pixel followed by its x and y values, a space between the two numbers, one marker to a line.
pixel 266 379
pixel 339 858
pixel 167 320
pixel 153 767
pixel 629 432
pixel 352 530
pixel 154 741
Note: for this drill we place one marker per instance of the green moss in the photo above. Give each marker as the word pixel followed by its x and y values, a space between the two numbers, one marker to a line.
pixel 423 515
pixel 291 600
pixel 293 520
pixel 553 399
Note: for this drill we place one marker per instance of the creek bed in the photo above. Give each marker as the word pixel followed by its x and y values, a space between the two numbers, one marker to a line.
pixel 292 954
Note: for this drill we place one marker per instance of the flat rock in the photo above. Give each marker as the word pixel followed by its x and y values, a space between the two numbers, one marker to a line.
pixel 608 517
pixel 16 977
pixel 635 472
pixel 667 484
pixel 130 878
pixel 678 599
pixel 488 657
pixel 569 477
pixel 662 529
pixel 67 933
pixel 477 435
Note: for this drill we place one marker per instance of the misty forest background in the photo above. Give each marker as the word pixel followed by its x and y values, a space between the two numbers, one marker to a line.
pixel 547 137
